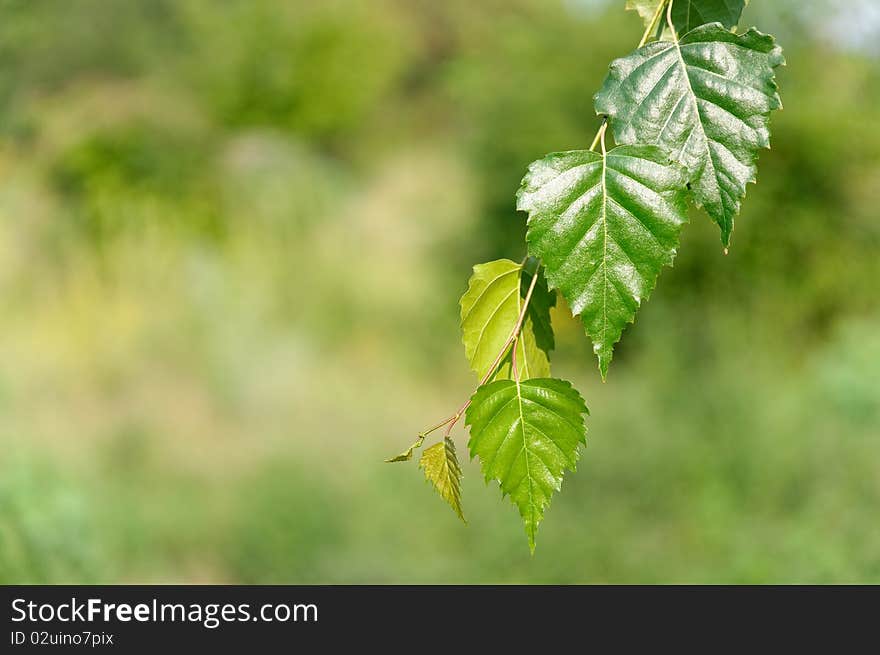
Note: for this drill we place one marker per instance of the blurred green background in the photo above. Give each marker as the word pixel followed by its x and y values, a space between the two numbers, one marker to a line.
pixel 233 235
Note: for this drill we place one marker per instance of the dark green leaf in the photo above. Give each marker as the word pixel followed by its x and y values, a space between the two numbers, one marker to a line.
pixel 539 306
pixel 706 100
pixel 604 226
pixel 689 14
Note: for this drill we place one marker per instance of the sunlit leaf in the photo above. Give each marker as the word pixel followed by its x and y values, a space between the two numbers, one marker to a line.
pixel 705 100
pixel 489 312
pixel 604 225
pixel 645 8
pixel 527 435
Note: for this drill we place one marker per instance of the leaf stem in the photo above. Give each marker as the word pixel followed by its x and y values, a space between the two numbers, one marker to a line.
pixel 600 135
pixel 669 20
pixel 425 433
pixel 658 13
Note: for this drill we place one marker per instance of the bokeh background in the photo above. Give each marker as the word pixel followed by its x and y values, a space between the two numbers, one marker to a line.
pixel 233 235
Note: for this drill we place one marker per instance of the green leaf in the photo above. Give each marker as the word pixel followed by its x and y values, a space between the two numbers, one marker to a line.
pixel 539 306
pixel 706 100
pixel 689 14
pixel 441 467
pixel 604 226
pixel 489 312
pixel 407 454
pixel 526 435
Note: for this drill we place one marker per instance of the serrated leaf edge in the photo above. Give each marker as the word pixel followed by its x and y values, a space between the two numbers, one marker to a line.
pixel 451 472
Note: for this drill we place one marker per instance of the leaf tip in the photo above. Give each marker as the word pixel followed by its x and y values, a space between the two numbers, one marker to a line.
pixel 604 362
pixel 726 234
pixel 442 470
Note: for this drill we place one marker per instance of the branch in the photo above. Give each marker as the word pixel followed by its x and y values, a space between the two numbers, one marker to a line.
pixel 451 421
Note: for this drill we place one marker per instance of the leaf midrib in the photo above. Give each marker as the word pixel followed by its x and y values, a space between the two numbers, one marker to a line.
pixel 525 448
pixel 604 244
pixel 699 120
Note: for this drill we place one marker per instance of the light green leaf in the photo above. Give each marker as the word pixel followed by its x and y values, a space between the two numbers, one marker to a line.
pixel 689 14
pixel 526 435
pixel 407 454
pixel 489 312
pixel 645 8
pixel 706 100
pixel 441 467
pixel 604 226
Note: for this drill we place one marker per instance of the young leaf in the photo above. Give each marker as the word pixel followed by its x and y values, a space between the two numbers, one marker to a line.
pixel 706 100
pixel 489 312
pixel 526 435
pixel 407 454
pixel 441 467
pixel 689 14
pixel 605 225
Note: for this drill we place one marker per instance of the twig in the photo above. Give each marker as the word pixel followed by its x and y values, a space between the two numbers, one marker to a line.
pixel 514 335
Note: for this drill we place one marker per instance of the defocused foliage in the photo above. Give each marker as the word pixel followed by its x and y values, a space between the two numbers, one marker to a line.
pixel 233 235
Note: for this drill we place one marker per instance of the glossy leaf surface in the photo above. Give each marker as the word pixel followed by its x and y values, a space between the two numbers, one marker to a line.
pixel 706 100
pixel 604 226
pixel 527 435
